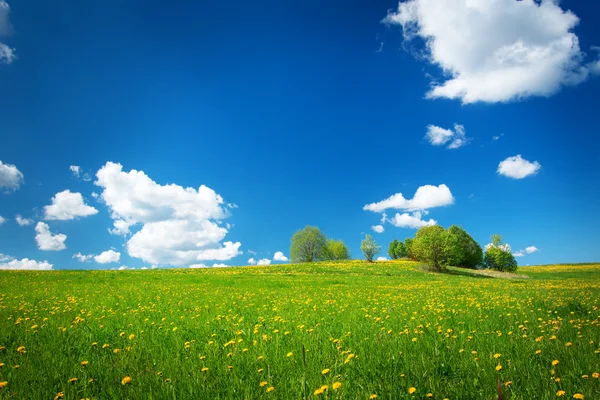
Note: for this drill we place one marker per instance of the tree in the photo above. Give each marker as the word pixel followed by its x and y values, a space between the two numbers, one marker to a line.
pixel 465 252
pixel 498 255
pixel 337 250
pixel 392 249
pixel 408 246
pixel 432 245
pixel 308 245
pixel 401 250
pixel 369 248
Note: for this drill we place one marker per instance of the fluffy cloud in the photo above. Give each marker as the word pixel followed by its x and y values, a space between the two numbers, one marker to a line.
pixel 2 220
pixel 67 205
pixel 46 240
pixel 263 261
pixel 252 261
pixel 207 266
pixel 531 249
pixel 519 253
pixel 439 136
pixel 413 220
pixel 23 221
pixel 495 50
pixel 82 257
pixel 378 228
pixel 179 226
pixel 518 168
pixel 75 170
pixel 107 257
pixel 426 197
pixel 7 262
pixel 279 256
pixel 10 177
pixel 382 259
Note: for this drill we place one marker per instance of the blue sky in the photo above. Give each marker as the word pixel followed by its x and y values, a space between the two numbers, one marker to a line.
pixel 294 114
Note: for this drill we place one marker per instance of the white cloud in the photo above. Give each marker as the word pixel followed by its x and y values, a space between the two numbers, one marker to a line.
pixel 531 249
pixel 75 170
pixel 252 261
pixel 23 221
pixel 378 228
pixel 46 240
pixel 108 256
pixel 121 228
pixel 382 259
pixel 519 253
pixel 263 261
pixel 10 177
pixel 439 136
pixel 7 54
pixel 413 220
pixel 123 267
pixel 7 262
pixel 179 226
pixel 427 196
pixel 82 257
pixel 279 256
pixel 495 50
pixel 518 168
pixel 67 205
pixel 2 220
pixel 220 265
pixel 207 266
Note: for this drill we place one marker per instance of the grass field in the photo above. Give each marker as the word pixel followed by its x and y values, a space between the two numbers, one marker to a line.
pixel 389 329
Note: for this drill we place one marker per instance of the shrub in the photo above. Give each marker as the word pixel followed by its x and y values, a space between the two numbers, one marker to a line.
pixel 337 250
pixel 432 246
pixel 498 256
pixel 465 251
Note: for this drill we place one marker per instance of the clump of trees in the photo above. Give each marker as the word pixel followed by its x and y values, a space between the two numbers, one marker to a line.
pixel 439 247
pixel 369 248
pixel 310 244
pixel 498 255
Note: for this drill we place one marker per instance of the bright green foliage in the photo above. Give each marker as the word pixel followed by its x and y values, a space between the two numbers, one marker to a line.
pixel 308 245
pixel 337 250
pixel 392 249
pixel 408 248
pixel 498 256
pixel 432 245
pixel 397 250
pixel 369 248
pixel 465 252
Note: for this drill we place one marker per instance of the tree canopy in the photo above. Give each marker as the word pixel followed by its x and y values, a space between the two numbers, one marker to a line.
pixel 308 245
pixel 369 248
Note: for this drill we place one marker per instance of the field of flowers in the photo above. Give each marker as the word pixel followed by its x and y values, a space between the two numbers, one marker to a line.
pixel 325 330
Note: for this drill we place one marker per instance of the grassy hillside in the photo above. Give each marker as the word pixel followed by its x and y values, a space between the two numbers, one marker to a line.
pixel 386 329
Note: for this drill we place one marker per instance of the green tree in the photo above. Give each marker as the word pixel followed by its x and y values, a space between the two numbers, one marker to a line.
pixel 408 246
pixel 498 255
pixel 392 249
pixel 465 252
pixel 401 250
pixel 369 248
pixel 432 245
pixel 308 245
pixel 337 250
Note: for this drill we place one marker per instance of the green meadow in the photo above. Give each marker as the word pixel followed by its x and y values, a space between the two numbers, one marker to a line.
pixel 346 330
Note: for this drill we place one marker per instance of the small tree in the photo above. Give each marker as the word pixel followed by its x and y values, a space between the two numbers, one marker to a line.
pixel 369 248
pixel 498 255
pixel 465 251
pixel 431 245
pixel 337 250
pixel 408 246
pixel 308 245
pixel 401 250
pixel 393 248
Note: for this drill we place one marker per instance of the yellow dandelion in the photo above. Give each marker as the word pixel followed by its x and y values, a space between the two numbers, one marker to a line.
pixel 584 376
pixel 131 336
pixel 126 380
pixel 568 344
pixel 325 371
pixel 1 365
pixel 263 383
pixel 21 349
pixel 230 367
pixel 560 393
pixel 555 362
pixel 105 345
pixel 73 380
pixel 95 344
pixel 318 392
pixel 373 396
pixel 204 369
pixel 556 380
pixel 497 355
pixel 84 363
pixel 595 375
pixel 336 385
pixel 507 383
pixel 578 396
pixel 59 396
pixel 3 384
pixel 260 370
pixel 538 352
pixel 289 354
pixel 498 367
pixel 270 389
pixel 412 390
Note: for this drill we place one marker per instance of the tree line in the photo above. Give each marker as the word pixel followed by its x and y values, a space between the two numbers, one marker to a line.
pixel 433 245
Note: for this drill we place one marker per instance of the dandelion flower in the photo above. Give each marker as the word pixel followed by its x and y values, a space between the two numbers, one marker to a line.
pixel 373 396
pixel 131 336
pixel 73 380
pixel 560 393
pixel 289 354
pixel 263 383
pixel 578 396
pixel 325 371
pixel 498 367
pixel 59 396
pixel 412 390
pixel 595 375
pixel 204 369
pixel 555 362
pixel 126 380
pixel 3 384
pixel 84 363
pixel 270 389
pixel 336 385
pixel 508 383
pixel 21 349
pixel 538 352
pixel 497 355
pixel 429 395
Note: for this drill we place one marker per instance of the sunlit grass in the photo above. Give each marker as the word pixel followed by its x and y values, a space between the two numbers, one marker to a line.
pixel 387 329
